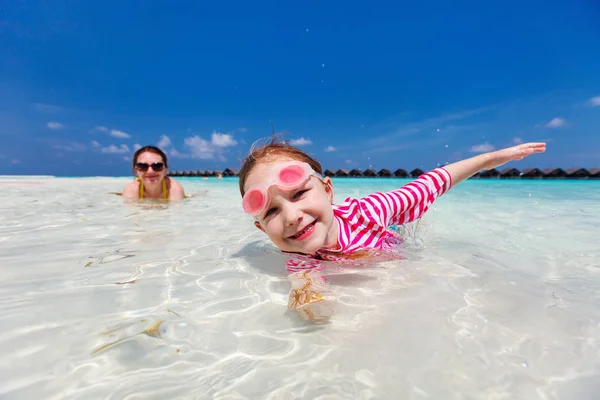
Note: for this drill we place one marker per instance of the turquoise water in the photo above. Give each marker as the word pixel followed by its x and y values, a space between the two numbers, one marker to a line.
pixel 496 296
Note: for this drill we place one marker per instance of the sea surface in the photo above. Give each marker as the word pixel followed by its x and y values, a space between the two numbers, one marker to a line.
pixel 496 295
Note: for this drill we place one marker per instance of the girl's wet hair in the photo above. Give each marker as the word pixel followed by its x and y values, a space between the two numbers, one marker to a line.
pixel 271 151
pixel 150 149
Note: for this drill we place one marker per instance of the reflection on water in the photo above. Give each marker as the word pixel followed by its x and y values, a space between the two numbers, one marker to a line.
pixel 496 295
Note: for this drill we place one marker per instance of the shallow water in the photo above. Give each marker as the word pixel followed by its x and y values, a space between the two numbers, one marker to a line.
pixel 498 297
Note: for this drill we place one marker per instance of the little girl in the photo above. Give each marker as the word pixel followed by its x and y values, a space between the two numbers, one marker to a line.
pixel 283 188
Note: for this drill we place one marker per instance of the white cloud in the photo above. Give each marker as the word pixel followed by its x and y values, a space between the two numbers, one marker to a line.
pixel 595 101
pixel 242 129
pixel 164 142
pixel 222 139
pixel 556 123
pixel 15 161
pixel 119 134
pixel 55 126
pixel 517 140
pixel 95 144
pixel 174 153
pixel 300 142
pixel 137 146
pixel 199 147
pixel 100 129
pixel 114 149
pixel 112 132
pixel 329 149
pixel 482 148
pixel 73 146
pixel 204 149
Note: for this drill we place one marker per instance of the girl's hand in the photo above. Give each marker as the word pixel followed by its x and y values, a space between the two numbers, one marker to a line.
pixel 519 152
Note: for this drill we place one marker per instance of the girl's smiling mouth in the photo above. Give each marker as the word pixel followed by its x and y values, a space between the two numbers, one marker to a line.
pixel 305 232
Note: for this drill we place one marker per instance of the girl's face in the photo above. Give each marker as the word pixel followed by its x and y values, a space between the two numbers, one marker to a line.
pixel 299 220
pixel 145 168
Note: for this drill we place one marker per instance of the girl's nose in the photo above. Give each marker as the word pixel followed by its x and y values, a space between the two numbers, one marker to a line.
pixel 292 214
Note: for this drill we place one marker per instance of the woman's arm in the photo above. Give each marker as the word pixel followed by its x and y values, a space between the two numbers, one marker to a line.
pixel 132 190
pixel 176 190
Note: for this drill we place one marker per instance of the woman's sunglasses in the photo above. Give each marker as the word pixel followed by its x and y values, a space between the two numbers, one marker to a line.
pixel 157 166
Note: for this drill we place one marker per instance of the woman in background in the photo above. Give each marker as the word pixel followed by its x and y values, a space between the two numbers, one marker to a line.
pixel 151 182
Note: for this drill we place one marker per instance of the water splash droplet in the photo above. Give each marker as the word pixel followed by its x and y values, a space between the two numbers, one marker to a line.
pixel 322 65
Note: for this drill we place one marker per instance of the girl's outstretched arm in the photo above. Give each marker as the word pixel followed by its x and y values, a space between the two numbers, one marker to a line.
pixel 461 170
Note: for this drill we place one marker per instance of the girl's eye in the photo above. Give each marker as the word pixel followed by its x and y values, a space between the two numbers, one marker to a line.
pixel 270 211
pixel 300 193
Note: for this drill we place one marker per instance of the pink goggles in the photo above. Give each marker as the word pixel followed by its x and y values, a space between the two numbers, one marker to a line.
pixel 291 175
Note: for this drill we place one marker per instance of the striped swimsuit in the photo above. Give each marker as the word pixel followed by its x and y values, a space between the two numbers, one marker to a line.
pixel 364 223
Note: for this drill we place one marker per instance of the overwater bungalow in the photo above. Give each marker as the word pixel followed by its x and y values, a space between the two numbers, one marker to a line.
pixel 384 173
pixel 342 173
pixel 229 172
pixel 492 173
pixel 594 173
pixel 554 173
pixel 401 173
pixel 509 173
pixel 532 173
pixel 415 173
pixel 577 173
pixel 370 173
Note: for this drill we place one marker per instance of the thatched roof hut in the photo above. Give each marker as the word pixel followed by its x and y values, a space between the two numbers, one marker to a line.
pixel 370 173
pixel 415 173
pixel 229 172
pixel 577 173
pixel 532 173
pixel 492 173
pixel 401 173
pixel 510 173
pixel 384 173
pixel 594 173
pixel 342 173
pixel 356 173
pixel 554 173
pixel 329 172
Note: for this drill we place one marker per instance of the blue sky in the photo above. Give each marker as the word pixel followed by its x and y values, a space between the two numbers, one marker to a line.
pixel 356 84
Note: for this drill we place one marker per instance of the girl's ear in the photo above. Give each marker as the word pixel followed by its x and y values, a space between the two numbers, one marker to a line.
pixel 259 226
pixel 328 188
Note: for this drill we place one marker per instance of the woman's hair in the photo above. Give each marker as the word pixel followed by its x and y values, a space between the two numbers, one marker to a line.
pixel 271 151
pixel 150 149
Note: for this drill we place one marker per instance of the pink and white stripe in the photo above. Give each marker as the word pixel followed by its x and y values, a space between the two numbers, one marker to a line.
pixel 363 223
